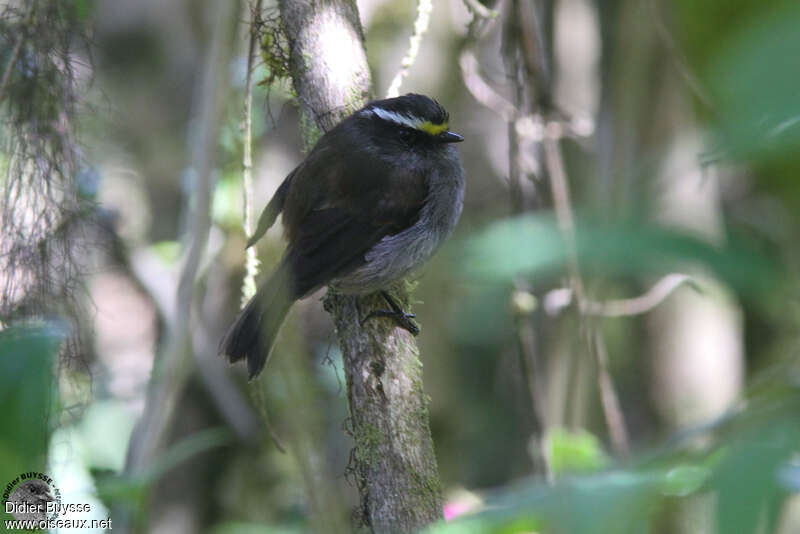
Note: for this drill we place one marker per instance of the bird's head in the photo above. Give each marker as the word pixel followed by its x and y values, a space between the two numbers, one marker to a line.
pixel 35 491
pixel 412 117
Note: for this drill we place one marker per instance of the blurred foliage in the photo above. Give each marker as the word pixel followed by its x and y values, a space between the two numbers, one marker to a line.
pixel 572 451
pixel 253 528
pixel 120 492
pixel 534 245
pixel 754 86
pixel 741 469
pixel 743 56
pixel 27 396
pixel 167 251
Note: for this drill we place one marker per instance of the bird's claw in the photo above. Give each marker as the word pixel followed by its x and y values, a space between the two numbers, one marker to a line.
pixel 401 318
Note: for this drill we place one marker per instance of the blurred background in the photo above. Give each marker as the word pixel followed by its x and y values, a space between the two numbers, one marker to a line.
pixel 609 339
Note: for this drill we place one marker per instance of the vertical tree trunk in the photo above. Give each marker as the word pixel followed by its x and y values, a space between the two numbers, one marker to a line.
pixel 393 461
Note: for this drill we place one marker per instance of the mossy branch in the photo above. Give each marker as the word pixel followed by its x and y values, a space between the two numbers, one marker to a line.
pixel 424 9
pixel 393 461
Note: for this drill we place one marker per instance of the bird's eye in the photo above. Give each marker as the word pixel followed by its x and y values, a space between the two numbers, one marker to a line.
pixel 407 134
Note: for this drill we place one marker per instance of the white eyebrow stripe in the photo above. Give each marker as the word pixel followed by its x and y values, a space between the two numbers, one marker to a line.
pixel 395 117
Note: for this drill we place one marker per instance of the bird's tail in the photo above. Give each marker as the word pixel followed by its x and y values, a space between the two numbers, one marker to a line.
pixel 253 332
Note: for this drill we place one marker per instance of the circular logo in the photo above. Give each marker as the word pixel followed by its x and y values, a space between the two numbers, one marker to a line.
pixel 32 496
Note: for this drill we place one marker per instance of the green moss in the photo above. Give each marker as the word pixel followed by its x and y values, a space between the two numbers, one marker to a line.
pixel 274 51
pixel 412 365
pixel 410 285
pixel 412 368
pixel 368 439
pixel 429 488
pixel 355 98
pixel 311 132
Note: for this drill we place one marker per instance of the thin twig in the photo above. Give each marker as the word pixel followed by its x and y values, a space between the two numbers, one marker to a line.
pixel 173 367
pixel 10 67
pixel 523 302
pixel 695 86
pixel 12 61
pixel 535 53
pixel 534 49
pixel 424 9
pixel 523 305
pixel 251 260
pixel 593 338
pixel 257 396
pixel 559 299
pixel 608 396
pixel 564 217
pixel 530 127
pixel 511 60
pixel 480 10
pixel 157 281
pixel 481 90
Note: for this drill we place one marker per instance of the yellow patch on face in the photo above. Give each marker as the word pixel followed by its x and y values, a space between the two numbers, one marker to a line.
pixel 431 128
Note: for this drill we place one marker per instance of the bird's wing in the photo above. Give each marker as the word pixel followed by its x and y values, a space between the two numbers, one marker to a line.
pixel 331 241
pixel 271 211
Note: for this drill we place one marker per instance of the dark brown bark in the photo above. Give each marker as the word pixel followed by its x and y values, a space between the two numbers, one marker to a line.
pixel 393 460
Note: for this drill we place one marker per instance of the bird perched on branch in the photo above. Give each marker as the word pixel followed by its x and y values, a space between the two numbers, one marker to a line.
pixel 371 202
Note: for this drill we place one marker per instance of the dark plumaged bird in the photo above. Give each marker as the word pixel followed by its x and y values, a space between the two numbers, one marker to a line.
pixel 371 202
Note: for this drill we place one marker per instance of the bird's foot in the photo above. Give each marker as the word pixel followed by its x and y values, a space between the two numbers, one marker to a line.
pixel 401 318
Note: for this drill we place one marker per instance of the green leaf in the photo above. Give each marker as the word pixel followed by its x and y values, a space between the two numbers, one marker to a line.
pixel 524 524
pixel 754 82
pixel 533 245
pixel 26 396
pixel 743 467
pixel 572 451
pixel 168 251
pixel 683 480
pixel 747 480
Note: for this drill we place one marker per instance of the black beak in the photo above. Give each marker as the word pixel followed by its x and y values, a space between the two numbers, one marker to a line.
pixel 449 137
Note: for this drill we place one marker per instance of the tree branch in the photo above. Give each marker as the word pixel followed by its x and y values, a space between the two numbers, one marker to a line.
pixel 171 370
pixel 393 461
pixel 558 299
pixel 251 260
pixel 424 8
pixel 534 48
pixel 590 331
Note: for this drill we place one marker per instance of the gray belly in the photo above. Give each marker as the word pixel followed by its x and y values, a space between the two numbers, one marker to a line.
pixel 397 256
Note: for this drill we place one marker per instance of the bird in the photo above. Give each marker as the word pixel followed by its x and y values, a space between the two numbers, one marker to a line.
pixel 371 202
pixel 30 500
